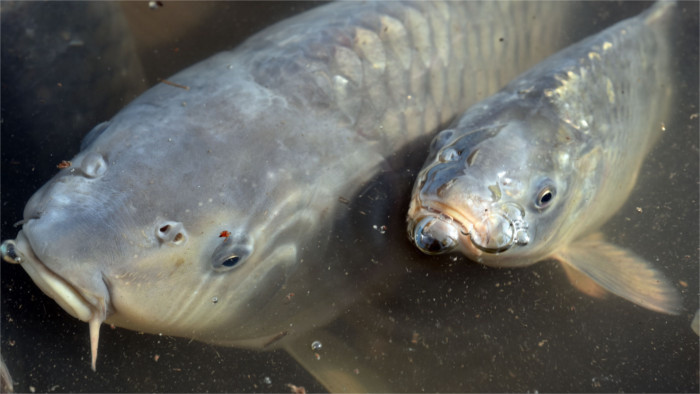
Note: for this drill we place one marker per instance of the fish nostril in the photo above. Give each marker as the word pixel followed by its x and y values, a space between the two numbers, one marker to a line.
pixel 447 155
pixel 172 233
pixel 179 238
pixel 93 165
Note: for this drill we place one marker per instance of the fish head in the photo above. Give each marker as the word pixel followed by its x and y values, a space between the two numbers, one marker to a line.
pixel 494 186
pixel 182 239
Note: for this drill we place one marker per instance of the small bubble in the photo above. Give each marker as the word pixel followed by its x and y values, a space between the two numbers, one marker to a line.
pixel 214 300
pixel 316 345
pixel 267 380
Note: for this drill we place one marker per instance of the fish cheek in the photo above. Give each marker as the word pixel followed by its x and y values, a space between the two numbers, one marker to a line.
pixel 178 263
pixel 269 284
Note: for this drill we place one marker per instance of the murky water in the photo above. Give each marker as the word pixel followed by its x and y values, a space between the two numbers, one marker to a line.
pixel 440 324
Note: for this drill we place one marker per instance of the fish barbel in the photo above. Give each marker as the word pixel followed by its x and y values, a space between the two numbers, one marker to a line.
pixel 533 171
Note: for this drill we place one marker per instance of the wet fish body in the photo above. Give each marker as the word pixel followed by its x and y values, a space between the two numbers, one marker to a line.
pixel 533 171
pixel 231 146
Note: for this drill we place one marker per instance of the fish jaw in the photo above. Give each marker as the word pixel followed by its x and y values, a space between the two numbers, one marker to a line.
pixel 86 303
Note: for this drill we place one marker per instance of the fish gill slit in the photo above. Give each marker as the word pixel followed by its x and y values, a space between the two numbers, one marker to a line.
pixel 184 306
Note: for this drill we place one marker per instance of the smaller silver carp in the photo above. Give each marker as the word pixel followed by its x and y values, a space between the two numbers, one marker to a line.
pixel 533 171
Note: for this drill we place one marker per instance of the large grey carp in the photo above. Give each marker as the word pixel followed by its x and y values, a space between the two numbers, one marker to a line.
pixel 203 208
pixel 533 171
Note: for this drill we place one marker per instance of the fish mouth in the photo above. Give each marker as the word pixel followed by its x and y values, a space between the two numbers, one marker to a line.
pixel 79 303
pixel 437 228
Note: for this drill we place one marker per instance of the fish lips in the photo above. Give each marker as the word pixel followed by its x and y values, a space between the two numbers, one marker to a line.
pixel 84 302
pixel 437 228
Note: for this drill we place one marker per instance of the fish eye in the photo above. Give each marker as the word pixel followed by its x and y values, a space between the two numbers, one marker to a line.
pixel 228 262
pixel 231 252
pixel 231 261
pixel 545 196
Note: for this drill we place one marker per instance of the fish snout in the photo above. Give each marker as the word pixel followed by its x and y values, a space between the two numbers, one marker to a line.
pixel 70 187
pixel 434 235
pixel 440 228
pixel 83 298
pixel 86 299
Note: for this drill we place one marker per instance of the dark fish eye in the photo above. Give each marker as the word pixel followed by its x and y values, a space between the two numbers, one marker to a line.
pixel 227 263
pixel 231 252
pixel 545 196
pixel 231 261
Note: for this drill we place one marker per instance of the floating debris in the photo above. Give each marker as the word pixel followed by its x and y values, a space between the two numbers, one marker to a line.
pixel 177 85
pixel 381 229
pixel 64 164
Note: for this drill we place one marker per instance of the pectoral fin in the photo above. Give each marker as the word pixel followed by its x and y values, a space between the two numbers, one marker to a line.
pixel 584 283
pixel 621 272
pixel 336 365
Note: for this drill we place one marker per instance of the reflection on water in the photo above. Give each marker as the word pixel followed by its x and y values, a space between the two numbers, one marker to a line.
pixel 440 324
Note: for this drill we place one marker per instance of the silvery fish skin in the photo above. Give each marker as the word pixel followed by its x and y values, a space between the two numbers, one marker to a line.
pixel 6 384
pixel 202 206
pixel 533 171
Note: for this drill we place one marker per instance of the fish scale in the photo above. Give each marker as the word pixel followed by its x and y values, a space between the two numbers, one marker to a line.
pixel 391 89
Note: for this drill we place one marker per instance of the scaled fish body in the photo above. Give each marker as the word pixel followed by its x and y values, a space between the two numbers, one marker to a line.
pixel 533 171
pixel 203 208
